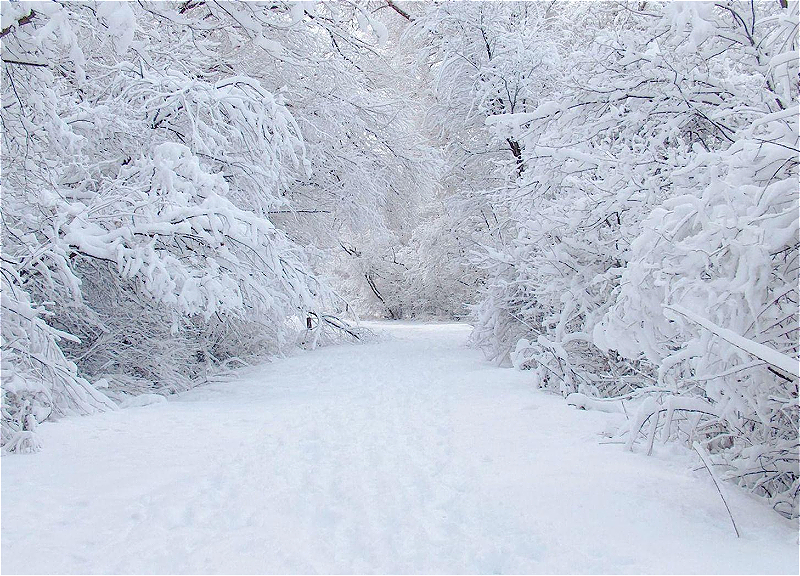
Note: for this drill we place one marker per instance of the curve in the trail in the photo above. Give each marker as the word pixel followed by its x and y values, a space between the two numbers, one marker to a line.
pixel 409 455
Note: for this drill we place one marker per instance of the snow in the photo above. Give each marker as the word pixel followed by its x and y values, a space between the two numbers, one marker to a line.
pixel 583 402
pixel 142 400
pixel 121 23
pixel 381 33
pixel 406 455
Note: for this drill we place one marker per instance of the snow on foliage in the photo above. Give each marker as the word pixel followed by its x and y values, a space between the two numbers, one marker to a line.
pixel 654 168
pixel 143 160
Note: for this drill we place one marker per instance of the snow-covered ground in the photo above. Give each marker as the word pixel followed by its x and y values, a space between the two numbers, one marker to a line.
pixel 403 456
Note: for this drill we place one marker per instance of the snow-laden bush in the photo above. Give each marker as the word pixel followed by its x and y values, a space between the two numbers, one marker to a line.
pixel 715 272
pixel 38 381
pixel 138 174
pixel 652 242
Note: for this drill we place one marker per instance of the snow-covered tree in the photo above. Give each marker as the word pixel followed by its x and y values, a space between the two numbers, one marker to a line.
pixel 482 59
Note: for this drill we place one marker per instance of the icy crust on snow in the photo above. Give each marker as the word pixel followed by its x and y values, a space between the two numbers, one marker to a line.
pixel 409 455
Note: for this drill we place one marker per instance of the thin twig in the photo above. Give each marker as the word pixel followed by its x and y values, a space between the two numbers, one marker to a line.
pixel 706 460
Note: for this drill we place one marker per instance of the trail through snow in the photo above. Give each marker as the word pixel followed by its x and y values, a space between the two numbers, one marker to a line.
pixel 409 455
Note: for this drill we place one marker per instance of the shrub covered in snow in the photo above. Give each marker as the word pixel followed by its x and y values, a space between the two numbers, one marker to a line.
pixel 657 214
pixel 143 160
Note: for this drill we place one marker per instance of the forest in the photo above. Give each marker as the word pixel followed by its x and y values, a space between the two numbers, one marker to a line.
pixel 607 192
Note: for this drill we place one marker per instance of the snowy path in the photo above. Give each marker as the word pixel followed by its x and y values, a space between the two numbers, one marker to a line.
pixel 408 455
